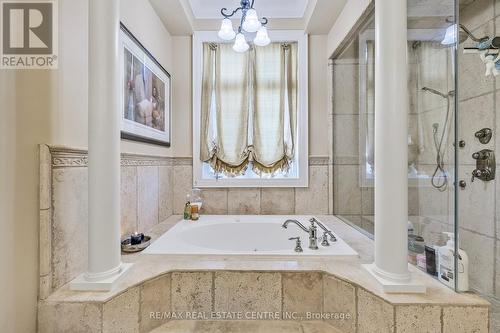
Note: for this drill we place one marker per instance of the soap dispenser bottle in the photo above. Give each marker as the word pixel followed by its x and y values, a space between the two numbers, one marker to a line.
pixel 446 260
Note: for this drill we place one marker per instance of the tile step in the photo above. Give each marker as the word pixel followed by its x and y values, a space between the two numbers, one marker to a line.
pixel 245 326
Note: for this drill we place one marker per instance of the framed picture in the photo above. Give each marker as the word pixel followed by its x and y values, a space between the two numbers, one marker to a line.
pixel 145 93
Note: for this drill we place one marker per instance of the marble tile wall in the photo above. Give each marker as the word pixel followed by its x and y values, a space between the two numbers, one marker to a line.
pixel 146 200
pixel 479 106
pixel 273 201
pixel 352 199
pixel 152 189
pixel 298 296
pixel 432 211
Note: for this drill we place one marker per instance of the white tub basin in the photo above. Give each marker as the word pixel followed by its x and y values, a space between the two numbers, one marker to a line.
pixel 259 235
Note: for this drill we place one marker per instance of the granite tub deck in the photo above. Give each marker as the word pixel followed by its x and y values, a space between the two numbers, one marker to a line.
pixel 340 289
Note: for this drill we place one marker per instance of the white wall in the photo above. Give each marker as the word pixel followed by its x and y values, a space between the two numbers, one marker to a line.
pixel 351 13
pixel 319 106
pixel 70 118
pixel 51 107
pixel 26 101
pixel 182 101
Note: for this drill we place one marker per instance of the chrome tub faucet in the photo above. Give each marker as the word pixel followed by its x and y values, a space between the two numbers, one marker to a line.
pixel 325 229
pixel 312 231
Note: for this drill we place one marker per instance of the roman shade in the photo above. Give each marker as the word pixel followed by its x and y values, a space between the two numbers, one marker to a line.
pixel 249 108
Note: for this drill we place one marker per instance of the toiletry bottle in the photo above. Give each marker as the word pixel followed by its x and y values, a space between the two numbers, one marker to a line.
pixel 446 261
pixel 195 215
pixel 187 211
pixel 430 260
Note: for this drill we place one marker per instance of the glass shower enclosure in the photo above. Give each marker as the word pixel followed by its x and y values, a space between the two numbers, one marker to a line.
pixel 432 140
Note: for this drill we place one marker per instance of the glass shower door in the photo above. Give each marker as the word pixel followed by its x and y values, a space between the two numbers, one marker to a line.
pixel 431 134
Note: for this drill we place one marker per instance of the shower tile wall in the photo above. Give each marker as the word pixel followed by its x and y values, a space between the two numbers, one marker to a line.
pixel 350 199
pixel 479 202
pixel 430 210
pixel 353 200
pixel 434 214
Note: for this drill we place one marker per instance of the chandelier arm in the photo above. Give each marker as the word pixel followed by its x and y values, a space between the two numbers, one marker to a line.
pixel 251 6
pixel 229 15
pixel 264 21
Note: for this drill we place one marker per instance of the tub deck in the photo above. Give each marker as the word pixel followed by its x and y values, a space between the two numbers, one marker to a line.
pixel 170 282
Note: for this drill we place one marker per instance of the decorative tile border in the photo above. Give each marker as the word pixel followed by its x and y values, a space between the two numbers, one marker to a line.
pixel 65 157
pixel 300 296
pixel 319 160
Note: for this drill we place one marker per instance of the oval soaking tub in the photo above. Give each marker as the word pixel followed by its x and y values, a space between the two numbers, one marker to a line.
pixel 259 235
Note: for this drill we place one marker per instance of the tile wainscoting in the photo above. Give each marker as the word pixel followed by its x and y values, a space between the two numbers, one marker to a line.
pixel 202 293
pixel 152 189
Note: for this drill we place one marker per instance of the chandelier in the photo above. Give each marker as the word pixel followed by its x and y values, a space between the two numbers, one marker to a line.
pixel 249 22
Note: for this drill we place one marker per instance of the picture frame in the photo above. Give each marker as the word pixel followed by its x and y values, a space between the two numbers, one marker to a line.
pixel 145 93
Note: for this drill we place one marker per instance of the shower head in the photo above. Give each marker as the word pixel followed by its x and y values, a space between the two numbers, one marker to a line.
pixel 463 34
pixel 435 92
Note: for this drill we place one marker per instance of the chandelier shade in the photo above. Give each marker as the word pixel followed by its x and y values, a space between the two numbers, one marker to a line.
pixel 251 22
pixel 226 31
pixel 262 39
pixel 240 44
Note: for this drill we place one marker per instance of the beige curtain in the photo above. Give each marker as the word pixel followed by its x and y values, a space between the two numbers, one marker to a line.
pixel 249 103
pixel 275 90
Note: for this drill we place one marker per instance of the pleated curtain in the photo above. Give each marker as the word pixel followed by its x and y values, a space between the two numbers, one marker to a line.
pixel 249 107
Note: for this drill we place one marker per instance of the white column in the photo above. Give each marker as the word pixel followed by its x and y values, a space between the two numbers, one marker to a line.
pixel 391 149
pixel 104 253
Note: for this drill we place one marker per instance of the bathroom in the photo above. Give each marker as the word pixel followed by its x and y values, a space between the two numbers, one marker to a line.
pixel 235 234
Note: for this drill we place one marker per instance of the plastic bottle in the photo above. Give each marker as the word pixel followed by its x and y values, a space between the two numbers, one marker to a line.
pixel 446 269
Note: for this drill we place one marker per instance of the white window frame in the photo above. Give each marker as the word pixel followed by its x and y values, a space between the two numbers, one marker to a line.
pixel 302 180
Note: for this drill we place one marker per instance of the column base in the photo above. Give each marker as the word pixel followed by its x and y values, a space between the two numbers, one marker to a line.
pixel 412 286
pixel 80 283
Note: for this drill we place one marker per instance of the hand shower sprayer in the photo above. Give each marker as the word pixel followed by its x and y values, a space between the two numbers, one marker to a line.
pixel 439 171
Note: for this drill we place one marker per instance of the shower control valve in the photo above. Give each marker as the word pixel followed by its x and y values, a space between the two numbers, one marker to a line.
pixel 485 165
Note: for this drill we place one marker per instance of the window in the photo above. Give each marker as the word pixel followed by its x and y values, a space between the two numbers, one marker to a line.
pixel 250 113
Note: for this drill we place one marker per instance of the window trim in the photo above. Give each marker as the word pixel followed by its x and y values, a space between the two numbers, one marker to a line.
pixel 200 37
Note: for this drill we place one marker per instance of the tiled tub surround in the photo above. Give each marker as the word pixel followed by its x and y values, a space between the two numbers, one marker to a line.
pixel 164 283
pixel 152 189
pixel 146 200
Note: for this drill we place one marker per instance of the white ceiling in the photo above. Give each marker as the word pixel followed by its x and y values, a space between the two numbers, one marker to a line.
pixel 182 17
pixel 210 9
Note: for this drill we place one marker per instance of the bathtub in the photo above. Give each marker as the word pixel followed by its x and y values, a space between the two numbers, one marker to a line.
pixel 256 235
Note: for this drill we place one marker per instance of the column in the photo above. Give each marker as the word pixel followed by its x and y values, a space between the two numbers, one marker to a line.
pixel 104 253
pixel 391 149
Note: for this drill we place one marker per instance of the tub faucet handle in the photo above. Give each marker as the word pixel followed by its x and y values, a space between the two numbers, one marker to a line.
pixel 298 247
pixel 325 239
